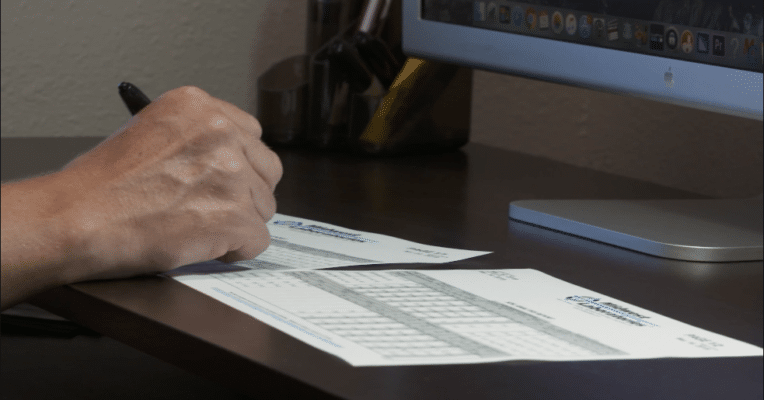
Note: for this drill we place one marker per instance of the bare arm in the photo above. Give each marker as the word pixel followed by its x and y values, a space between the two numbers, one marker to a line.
pixel 39 246
pixel 186 180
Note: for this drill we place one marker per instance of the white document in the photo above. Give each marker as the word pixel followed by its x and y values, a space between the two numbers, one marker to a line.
pixel 396 317
pixel 298 243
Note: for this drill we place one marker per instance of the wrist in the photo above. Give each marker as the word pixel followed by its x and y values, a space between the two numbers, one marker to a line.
pixel 98 233
pixel 61 200
pixel 39 246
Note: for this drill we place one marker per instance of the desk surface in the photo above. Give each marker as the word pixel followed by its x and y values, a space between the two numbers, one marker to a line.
pixel 457 200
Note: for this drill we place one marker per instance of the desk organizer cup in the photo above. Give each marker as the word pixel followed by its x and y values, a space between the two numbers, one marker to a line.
pixel 328 95
pixel 426 109
pixel 282 100
pixel 313 100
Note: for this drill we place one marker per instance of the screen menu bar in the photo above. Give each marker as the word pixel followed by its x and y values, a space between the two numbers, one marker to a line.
pixel 724 48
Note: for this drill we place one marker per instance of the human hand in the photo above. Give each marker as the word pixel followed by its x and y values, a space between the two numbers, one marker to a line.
pixel 185 180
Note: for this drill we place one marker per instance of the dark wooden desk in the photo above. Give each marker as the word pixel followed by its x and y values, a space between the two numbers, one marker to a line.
pixel 454 200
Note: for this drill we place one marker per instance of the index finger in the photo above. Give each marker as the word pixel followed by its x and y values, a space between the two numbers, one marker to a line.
pixel 242 119
pixel 265 162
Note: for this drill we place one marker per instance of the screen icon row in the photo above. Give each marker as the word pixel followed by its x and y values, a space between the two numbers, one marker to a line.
pixel 609 31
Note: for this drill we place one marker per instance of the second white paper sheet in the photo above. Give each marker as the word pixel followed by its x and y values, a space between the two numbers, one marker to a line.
pixel 416 317
pixel 303 244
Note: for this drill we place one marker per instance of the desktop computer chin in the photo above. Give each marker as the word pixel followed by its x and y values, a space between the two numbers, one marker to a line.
pixel 702 230
pixel 705 55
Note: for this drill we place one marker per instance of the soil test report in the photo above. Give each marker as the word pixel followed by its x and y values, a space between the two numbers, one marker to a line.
pixel 425 317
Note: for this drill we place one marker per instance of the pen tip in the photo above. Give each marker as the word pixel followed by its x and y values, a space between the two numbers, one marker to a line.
pixel 124 85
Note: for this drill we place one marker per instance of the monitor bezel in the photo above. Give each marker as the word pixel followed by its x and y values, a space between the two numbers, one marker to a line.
pixel 701 86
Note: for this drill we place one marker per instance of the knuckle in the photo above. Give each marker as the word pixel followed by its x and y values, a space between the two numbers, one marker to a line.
pixel 270 208
pixel 278 168
pixel 257 123
pixel 219 123
pixel 188 95
pixel 258 128
pixel 261 239
pixel 192 91
pixel 273 169
pixel 265 240
pixel 265 202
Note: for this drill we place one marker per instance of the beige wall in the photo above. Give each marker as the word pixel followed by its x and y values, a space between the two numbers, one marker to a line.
pixel 62 60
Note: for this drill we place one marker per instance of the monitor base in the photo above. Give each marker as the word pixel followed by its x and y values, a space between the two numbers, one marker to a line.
pixel 713 230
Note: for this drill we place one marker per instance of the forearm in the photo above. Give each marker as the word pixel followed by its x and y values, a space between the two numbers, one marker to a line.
pixel 40 247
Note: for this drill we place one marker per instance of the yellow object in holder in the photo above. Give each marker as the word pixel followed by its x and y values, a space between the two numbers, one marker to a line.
pixel 411 69
pixel 426 109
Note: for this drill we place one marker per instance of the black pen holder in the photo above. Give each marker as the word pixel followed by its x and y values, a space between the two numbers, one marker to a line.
pixel 427 109
pixel 282 102
pixel 328 95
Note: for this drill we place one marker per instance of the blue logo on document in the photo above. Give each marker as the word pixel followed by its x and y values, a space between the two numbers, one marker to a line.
pixel 356 237
pixel 610 310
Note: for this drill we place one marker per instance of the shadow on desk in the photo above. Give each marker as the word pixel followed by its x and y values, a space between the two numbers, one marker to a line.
pixel 94 367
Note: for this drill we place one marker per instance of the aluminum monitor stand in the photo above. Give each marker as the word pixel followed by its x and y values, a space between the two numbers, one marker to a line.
pixel 714 230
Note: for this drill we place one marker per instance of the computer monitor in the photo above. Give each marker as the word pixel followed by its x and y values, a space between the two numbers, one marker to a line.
pixel 695 53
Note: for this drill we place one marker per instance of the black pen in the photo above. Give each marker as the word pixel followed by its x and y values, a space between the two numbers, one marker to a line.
pixel 134 99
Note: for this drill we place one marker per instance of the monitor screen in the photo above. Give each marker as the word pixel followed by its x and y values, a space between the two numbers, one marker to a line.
pixel 702 54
